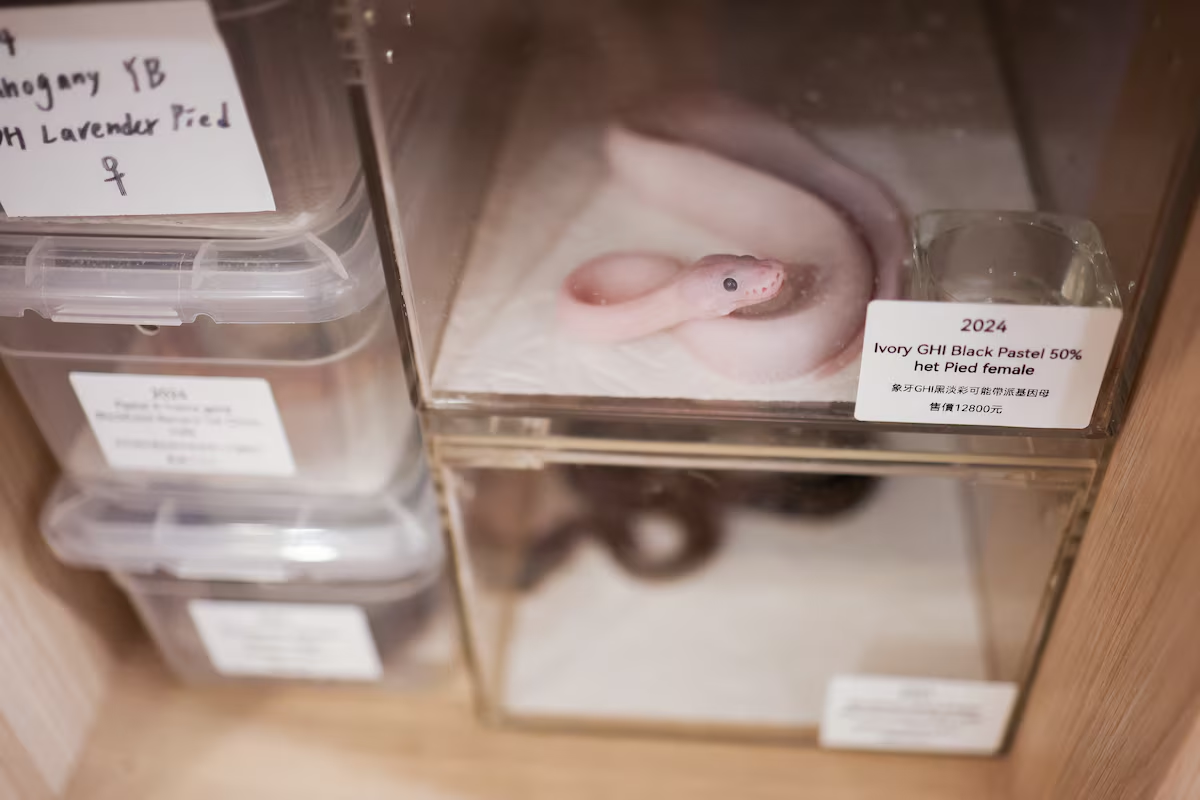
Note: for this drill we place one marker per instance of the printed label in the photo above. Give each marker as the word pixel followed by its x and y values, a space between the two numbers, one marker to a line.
pixel 864 712
pixel 287 640
pixel 123 108
pixel 172 423
pixel 983 364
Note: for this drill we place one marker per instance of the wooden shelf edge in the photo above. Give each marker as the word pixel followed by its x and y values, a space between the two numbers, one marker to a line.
pixel 158 739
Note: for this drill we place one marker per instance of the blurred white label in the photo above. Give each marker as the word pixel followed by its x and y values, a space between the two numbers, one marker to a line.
pixel 983 364
pixel 123 108
pixel 867 712
pixel 287 640
pixel 187 424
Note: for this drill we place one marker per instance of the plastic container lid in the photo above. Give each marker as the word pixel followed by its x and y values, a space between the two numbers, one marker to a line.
pixel 299 278
pixel 263 539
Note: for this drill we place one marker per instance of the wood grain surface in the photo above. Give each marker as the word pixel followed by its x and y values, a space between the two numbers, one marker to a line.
pixel 60 629
pixel 1117 693
pixel 1183 778
pixel 158 740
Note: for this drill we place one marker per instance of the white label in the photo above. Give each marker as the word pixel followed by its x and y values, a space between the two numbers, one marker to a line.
pixel 123 108
pixel 916 714
pixel 172 423
pixel 983 364
pixel 287 640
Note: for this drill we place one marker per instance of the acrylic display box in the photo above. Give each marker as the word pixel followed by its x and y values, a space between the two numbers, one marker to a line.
pixel 289 69
pixel 267 587
pixel 551 169
pixel 260 364
pixel 655 588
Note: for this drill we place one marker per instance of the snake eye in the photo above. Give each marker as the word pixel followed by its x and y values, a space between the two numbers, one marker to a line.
pixel 730 285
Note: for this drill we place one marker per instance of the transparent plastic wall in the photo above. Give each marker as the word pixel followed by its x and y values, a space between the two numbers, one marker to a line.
pixel 242 586
pixel 338 388
pixel 546 164
pixel 725 594
pixel 286 346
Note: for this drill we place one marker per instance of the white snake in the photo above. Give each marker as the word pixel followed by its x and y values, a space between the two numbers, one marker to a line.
pixel 818 241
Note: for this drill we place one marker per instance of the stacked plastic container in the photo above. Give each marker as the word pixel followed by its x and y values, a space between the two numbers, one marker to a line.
pixel 227 398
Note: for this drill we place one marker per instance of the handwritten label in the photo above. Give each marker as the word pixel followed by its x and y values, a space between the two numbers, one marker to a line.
pixel 123 109
pixel 870 712
pixel 287 640
pixel 185 424
pixel 983 364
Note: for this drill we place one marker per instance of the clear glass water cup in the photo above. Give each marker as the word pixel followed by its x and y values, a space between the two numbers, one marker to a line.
pixel 1015 257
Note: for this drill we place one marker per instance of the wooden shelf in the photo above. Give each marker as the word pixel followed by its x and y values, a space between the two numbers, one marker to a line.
pixel 158 739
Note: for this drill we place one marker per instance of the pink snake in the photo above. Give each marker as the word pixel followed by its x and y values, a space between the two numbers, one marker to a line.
pixel 819 241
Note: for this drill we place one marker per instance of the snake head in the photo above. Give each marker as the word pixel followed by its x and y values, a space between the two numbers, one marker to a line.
pixel 719 285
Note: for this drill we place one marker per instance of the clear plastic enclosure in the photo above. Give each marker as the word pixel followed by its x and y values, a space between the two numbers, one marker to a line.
pixel 410 629
pixel 273 587
pixel 722 595
pixel 628 208
pixel 288 65
pixel 287 346
pixel 319 408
